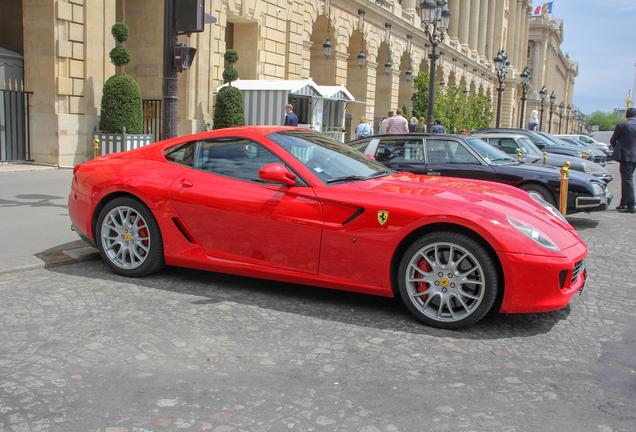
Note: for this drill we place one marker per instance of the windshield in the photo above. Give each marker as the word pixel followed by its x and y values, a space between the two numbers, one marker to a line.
pixel 330 160
pixel 552 138
pixel 491 155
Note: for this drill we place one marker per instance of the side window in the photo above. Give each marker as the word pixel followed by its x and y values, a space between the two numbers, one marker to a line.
pixel 449 152
pixel 361 146
pixel 181 154
pixel 508 145
pixel 237 158
pixel 409 151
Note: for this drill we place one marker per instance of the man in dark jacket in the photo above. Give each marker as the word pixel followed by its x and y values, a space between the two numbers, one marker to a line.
pixel 291 119
pixel 624 143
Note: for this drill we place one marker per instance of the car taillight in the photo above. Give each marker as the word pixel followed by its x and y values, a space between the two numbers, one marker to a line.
pixel 76 168
pixel 371 156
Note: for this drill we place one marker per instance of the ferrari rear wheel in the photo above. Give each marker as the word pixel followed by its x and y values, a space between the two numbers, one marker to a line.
pixel 129 238
pixel 448 280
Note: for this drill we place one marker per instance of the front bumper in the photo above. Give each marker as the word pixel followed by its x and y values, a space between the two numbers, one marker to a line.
pixel 536 283
pixel 590 204
pixel 606 177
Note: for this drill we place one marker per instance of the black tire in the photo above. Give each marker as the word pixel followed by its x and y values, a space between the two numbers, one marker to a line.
pixel 540 190
pixel 135 248
pixel 442 300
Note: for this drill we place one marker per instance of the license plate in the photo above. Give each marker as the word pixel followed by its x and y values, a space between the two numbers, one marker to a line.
pixel 584 281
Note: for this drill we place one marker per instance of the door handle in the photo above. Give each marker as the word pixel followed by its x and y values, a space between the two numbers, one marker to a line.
pixel 434 173
pixel 186 183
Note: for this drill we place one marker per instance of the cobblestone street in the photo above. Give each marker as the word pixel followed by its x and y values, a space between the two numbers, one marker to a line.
pixel 82 349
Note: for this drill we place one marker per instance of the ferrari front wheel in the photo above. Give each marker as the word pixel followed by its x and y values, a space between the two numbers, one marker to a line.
pixel 448 280
pixel 129 239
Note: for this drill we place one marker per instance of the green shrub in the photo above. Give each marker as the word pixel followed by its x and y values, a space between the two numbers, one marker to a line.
pixel 228 111
pixel 119 56
pixel 120 32
pixel 230 74
pixel 231 56
pixel 122 106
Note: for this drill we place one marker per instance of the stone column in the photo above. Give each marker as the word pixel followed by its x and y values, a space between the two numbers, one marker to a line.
pixel 473 33
pixel 464 22
pixel 341 67
pixel 520 61
pixel 408 6
pixel 490 32
pixel 372 70
pixel 483 26
pixel 455 20
pixel 512 30
pixel 523 43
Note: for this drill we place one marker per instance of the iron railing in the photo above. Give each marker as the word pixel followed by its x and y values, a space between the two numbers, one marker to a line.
pixel 152 118
pixel 15 128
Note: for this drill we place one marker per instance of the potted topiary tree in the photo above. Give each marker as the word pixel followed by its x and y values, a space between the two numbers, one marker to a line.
pixel 228 111
pixel 121 118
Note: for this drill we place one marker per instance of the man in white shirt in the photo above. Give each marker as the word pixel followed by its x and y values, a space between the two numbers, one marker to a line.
pixel 398 124
pixel 385 122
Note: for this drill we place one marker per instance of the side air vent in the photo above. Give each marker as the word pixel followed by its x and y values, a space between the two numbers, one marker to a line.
pixel 183 230
pixel 353 216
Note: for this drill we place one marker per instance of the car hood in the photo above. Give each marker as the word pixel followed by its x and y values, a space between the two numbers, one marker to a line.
pixel 480 201
pixel 557 161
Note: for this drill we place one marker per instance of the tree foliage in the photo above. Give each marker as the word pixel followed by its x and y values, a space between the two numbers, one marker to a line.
pixel 604 121
pixel 453 107
pixel 231 56
pixel 119 56
pixel 228 111
pixel 120 32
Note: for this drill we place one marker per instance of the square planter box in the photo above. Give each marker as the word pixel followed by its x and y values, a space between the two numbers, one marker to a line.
pixel 116 143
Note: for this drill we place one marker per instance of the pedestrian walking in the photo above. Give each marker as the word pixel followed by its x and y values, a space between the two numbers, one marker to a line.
pixel 397 124
pixel 363 130
pixel 623 142
pixel 413 124
pixel 421 126
pixel 385 122
pixel 291 119
pixel 438 128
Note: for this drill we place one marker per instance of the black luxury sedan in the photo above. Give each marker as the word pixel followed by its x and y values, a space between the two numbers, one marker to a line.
pixel 470 157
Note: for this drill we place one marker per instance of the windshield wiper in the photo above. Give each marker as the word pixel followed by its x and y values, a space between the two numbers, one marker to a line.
pixel 346 178
pixel 381 173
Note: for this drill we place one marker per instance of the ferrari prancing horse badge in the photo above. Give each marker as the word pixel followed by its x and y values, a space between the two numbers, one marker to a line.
pixel 383 216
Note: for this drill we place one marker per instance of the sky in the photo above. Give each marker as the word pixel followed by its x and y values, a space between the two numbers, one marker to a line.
pixel 601 36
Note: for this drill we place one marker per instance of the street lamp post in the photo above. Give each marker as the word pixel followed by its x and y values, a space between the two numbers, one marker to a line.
pixel 544 95
pixel 435 17
pixel 525 82
pixel 501 67
pixel 552 103
pixel 567 121
pixel 561 109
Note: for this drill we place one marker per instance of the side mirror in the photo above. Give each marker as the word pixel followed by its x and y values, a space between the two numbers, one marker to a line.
pixel 277 173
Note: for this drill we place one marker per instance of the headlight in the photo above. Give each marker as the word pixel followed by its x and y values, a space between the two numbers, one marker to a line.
pixel 598 189
pixel 549 207
pixel 591 169
pixel 533 233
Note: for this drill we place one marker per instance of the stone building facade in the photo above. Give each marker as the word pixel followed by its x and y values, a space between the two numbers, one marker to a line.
pixel 65 44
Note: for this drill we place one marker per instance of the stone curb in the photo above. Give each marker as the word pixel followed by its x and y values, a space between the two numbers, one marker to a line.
pixel 49 260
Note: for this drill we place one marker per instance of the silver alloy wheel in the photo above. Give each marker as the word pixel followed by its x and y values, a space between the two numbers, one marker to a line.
pixel 125 237
pixel 445 282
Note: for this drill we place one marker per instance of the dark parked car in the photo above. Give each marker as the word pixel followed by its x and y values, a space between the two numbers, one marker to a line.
pixel 589 141
pixel 600 157
pixel 470 157
pixel 513 144
pixel 542 142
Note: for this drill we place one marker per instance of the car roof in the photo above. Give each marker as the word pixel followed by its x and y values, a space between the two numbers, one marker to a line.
pixel 411 135
pixel 498 135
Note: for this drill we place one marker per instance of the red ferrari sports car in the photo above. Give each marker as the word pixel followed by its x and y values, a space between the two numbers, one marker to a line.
pixel 293 205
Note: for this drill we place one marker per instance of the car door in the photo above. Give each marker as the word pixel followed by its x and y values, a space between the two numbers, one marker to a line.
pixel 235 215
pixel 452 158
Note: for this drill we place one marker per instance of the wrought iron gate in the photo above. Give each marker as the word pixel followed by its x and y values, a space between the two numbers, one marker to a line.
pixel 15 132
pixel 152 118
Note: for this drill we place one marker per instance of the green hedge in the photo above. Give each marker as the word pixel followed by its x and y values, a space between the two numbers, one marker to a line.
pixel 228 111
pixel 121 106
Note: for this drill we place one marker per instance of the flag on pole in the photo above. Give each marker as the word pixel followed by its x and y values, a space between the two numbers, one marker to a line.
pixel 539 9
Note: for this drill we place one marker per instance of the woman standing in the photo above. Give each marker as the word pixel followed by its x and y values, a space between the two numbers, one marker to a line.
pixel 421 126
pixel 363 130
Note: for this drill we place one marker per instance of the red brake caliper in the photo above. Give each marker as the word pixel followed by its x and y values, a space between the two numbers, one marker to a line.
pixel 143 232
pixel 422 286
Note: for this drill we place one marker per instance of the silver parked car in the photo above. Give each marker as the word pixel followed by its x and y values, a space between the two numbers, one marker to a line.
pixel 589 141
pixel 513 144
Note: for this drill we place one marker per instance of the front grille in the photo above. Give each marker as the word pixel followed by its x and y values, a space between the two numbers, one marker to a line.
pixel 578 268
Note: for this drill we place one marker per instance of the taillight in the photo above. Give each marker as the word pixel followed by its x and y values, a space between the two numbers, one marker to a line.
pixel 371 156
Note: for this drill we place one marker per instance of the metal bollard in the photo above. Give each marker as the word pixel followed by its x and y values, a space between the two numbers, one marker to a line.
pixel 565 172
pixel 584 154
pixel 545 154
pixel 96 148
pixel 519 156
